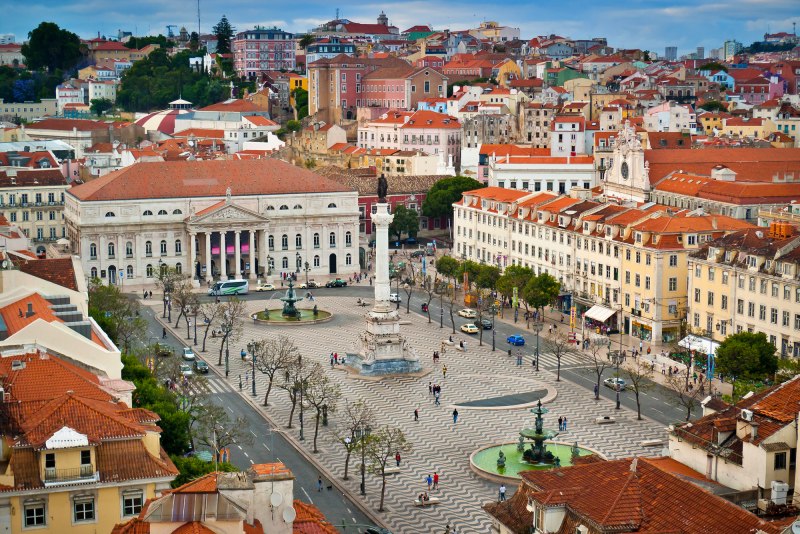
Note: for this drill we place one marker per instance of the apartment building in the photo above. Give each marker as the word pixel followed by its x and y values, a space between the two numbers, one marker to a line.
pixel 749 280
pixel 34 201
pixel 263 49
pixel 536 120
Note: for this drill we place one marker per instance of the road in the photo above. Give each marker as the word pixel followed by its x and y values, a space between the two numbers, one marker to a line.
pixel 269 444
pixel 656 401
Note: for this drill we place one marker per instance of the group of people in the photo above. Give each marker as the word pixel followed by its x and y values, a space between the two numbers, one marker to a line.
pixel 436 391
pixel 336 360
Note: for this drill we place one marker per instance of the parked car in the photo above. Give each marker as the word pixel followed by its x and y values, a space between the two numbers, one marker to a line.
pixel 486 324
pixel 410 240
pixel 371 243
pixel 469 328
pixel 188 354
pixel 417 253
pixel 336 283
pixel 394 297
pixel 310 285
pixel 201 367
pixel 467 313
pixel 186 370
pixel 516 340
pixel 263 286
pixel 163 350
pixel 615 383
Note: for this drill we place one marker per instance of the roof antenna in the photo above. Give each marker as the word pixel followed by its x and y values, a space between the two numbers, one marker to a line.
pixel 633 464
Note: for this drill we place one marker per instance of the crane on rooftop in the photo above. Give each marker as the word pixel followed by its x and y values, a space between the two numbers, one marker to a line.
pixel 171 33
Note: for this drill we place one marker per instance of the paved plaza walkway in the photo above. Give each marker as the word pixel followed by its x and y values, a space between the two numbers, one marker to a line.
pixel 474 377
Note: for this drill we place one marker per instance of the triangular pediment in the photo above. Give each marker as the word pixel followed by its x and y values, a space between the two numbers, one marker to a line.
pixel 227 212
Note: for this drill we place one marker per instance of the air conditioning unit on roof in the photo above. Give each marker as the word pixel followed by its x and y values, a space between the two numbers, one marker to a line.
pixel 747 415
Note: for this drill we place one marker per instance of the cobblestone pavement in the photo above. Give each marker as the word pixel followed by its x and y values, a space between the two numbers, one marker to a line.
pixel 439 445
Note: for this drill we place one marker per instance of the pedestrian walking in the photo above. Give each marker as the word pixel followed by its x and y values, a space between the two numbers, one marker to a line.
pixel 564 422
pixel 502 492
pixel 549 329
pixel 436 399
pixel 435 480
pixel 430 388
pixel 595 390
pixel 416 415
pixel 331 360
pixel 444 371
pixel 429 480
pixel 455 416
pixel 163 333
pixel 319 483
pixel 519 358
pixel 560 419
pixel 641 345
pixel 397 458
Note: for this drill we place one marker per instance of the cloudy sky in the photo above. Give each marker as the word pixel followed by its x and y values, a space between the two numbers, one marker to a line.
pixel 646 24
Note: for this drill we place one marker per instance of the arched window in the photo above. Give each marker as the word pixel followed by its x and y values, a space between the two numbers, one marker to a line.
pixel 110 214
pixel 149 271
pixel 148 248
pixel 178 268
pixel 298 241
pixel 163 247
pixel 285 262
pixel 111 250
pixel 177 212
pixel 316 240
pixel 129 271
pixel 270 208
pixel 331 205
pixel 316 261
pixel 284 242
pixel 147 213
pixel 284 207
pixel 93 272
pixel 162 212
pixel 332 239
pixel 129 249
pixel 271 240
pixel 178 247
pixel 93 251
pixel 298 207
pixel 348 239
pixel 348 260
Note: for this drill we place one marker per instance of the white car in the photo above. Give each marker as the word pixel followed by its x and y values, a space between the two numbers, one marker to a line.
pixel 265 287
pixel 186 370
pixel 468 313
pixel 469 328
pixel 394 297
pixel 188 354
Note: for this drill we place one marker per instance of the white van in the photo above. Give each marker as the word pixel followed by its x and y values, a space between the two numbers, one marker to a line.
pixel 230 287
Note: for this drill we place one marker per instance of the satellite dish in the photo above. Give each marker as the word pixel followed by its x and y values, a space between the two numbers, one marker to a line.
pixel 275 499
pixel 796 527
pixel 289 514
pixel 5 264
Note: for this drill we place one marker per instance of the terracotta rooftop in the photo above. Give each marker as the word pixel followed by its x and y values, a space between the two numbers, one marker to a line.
pixel 236 105
pixel 365 183
pixel 180 179
pixel 33 178
pixel 56 270
pixel 749 164
pixel 82 125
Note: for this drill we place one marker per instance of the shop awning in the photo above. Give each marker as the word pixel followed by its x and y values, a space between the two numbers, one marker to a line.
pixel 702 345
pixel 600 313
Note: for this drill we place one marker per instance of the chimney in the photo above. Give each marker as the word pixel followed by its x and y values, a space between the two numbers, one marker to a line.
pixel 754 431
pixel 30 311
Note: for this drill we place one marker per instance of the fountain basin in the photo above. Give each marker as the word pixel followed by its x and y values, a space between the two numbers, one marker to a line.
pixel 306 317
pixel 484 460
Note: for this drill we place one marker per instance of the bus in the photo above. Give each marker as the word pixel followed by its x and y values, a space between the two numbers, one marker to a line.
pixel 230 287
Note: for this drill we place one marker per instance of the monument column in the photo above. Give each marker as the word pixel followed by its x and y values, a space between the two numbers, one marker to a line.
pixel 223 271
pixel 237 240
pixel 208 256
pixel 382 219
pixel 252 254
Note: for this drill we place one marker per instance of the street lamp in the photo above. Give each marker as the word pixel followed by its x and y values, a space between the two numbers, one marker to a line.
pixel 188 322
pixel 251 349
pixel 227 326
pixel 195 311
pixel 537 327
pixel 302 385
pixel 494 311
pixel 617 359
pixel 306 269
pixel 363 432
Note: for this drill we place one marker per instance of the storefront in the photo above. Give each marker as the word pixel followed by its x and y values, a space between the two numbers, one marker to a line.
pixel 601 319
pixel 641 330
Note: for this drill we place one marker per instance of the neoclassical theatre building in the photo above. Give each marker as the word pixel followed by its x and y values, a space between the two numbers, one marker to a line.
pixel 215 219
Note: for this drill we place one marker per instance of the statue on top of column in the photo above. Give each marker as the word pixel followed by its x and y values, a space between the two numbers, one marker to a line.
pixel 383 189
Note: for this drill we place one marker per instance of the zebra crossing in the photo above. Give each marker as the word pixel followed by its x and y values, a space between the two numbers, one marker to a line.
pixel 438 444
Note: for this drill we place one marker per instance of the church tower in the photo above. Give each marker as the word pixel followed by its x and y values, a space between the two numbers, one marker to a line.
pixel 628 178
pixel 383 20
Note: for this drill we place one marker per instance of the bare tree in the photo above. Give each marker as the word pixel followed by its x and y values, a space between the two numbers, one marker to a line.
pixel 297 376
pixel 561 345
pixel 272 356
pixel 381 448
pixel 640 375
pixel 600 363
pixel 323 395
pixel 408 283
pixel 217 431
pixel 686 396
pixel 357 416
pixel 233 312
pixel 167 279
pixel 183 297
pixel 210 312
pixel 429 285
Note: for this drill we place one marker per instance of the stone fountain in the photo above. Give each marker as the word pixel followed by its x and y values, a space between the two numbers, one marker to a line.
pixel 289 301
pixel 538 453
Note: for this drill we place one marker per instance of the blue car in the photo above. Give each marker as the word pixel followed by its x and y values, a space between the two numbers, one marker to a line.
pixel 516 340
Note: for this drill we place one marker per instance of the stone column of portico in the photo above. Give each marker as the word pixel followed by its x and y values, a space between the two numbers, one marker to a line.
pixel 262 254
pixel 192 266
pixel 237 235
pixel 209 275
pixel 223 271
pixel 252 255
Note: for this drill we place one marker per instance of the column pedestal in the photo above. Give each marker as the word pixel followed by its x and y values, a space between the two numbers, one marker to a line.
pixel 381 349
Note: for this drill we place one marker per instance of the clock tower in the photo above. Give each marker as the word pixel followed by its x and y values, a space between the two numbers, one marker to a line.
pixel 628 178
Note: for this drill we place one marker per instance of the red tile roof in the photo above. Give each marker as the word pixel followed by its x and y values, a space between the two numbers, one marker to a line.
pixel 16 315
pixel 33 177
pixel 203 133
pixel 310 520
pixel 181 179
pixel 431 119
pixel 57 270
pixel 750 164
pixel 235 106
pixel 258 120
pixel 82 125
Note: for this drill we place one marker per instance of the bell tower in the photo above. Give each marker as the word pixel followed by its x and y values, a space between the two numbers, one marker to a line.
pixel 629 175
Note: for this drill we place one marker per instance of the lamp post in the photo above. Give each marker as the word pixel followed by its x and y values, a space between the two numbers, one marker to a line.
pixel 188 322
pixel 494 311
pixel 251 349
pixel 226 328
pixel 397 278
pixel 302 385
pixel 195 311
pixel 537 327
pixel 306 268
pixel 617 359
pixel 363 433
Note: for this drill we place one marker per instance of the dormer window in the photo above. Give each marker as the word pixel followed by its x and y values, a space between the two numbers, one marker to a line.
pixel 586 227
pixel 638 237
pixel 608 231
pixel 752 261
pixel 728 255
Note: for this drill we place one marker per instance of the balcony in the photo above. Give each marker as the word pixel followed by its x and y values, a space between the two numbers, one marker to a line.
pixel 63 477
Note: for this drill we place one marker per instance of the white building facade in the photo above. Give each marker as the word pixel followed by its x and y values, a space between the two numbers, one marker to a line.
pixel 213 220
